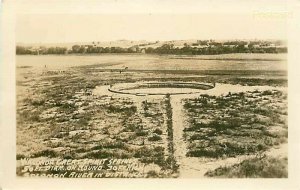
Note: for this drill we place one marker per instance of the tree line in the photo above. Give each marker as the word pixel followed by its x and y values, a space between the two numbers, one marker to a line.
pixel 216 48
pixel 212 50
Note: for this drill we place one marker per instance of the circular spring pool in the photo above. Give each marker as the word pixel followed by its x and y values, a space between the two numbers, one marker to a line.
pixel 160 88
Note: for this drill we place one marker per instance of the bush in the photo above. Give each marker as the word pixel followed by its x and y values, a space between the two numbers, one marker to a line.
pixel 154 138
pixel 152 155
pixel 152 174
pixel 267 92
pixel 45 153
pixel 158 131
pixel 141 133
pixel 127 110
pixel 35 118
pixel 99 155
pixel 115 145
pixel 20 156
pixel 37 102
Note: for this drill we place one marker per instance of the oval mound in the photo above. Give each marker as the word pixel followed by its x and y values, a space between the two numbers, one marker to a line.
pixel 160 88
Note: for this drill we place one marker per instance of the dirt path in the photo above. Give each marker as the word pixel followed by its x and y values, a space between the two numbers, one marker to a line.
pixel 178 126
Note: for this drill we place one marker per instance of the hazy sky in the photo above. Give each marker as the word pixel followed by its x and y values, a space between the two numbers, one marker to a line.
pixel 58 27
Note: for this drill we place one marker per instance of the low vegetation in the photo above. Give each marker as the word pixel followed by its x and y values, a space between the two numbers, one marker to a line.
pixel 59 116
pixel 236 124
pixel 66 121
pixel 253 168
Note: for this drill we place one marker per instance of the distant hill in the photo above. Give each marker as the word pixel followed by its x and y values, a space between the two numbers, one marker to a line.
pixel 176 47
pixel 117 43
pixel 140 43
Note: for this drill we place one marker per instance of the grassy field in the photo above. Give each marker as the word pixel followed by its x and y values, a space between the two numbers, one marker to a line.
pixel 58 116
pixel 236 124
pixel 253 168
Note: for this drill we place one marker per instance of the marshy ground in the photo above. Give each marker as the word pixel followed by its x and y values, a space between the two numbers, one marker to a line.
pixel 237 129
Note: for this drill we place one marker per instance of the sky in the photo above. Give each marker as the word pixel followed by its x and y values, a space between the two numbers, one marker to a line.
pixel 64 26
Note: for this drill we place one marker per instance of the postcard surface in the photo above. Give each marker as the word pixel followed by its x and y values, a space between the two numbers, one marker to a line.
pixel 94 92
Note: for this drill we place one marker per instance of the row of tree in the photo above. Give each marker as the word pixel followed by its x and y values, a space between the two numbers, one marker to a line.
pixel 164 49
pixel 95 49
pixel 189 50
pixel 21 50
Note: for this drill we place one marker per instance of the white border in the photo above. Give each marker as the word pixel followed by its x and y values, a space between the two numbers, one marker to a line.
pixel 9 9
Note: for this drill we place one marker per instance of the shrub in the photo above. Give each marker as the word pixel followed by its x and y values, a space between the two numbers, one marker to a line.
pixel 267 92
pixel 35 118
pixel 141 133
pixel 152 174
pixel 114 145
pixel 154 138
pixel 158 131
pixel 20 156
pixel 127 110
pixel 37 102
pixel 99 155
pixel 45 153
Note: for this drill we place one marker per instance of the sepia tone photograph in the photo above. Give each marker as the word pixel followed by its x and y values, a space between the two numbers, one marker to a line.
pixel 151 96
pixel 143 92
